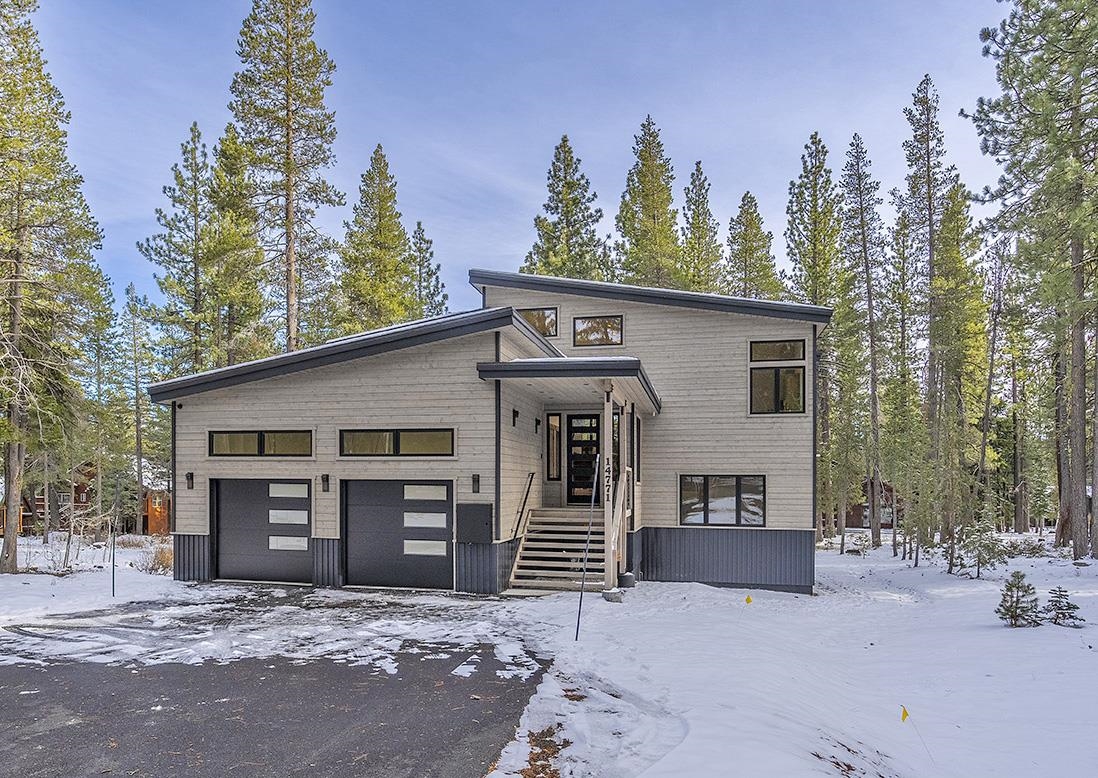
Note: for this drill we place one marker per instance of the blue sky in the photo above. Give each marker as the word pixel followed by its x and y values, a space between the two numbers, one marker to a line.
pixel 470 98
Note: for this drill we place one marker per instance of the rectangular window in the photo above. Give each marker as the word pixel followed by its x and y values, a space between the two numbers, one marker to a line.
pixel 723 500
pixel 777 350
pixel 777 390
pixel 275 443
pixel 781 388
pixel 552 442
pixel 597 331
pixel 398 443
pixel 544 320
pixel 425 491
pixel 297 491
pixel 287 543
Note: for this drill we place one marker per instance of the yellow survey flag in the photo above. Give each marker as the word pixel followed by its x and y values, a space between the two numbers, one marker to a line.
pixel 748 599
pixel 903 713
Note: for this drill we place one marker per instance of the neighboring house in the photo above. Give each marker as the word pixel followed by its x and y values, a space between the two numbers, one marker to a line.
pixel 857 515
pixel 470 451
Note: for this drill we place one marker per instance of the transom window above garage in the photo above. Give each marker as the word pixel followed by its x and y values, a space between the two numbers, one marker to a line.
pixel 265 443
pixel 396 443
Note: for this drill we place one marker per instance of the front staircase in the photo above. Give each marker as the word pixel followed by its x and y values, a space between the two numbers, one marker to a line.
pixel 550 557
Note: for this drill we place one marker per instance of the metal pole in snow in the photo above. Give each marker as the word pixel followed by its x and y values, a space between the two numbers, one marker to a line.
pixel 596 483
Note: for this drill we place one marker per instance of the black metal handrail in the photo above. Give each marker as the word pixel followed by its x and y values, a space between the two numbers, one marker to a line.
pixel 522 518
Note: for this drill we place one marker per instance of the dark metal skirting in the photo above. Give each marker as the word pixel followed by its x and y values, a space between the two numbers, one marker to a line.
pixel 327 561
pixel 484 568
pixel 191 558
pixel 634 553
pixel 751 558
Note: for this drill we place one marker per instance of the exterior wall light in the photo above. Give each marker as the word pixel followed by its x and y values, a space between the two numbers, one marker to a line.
pixel 190 480
pixel 325 483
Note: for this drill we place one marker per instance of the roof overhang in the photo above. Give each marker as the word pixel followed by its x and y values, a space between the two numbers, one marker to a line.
pixel 643 294
pixel 566 379
pixel 367 344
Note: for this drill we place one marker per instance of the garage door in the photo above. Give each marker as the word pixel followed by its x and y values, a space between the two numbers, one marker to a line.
pixel 263 530
pixel 398 533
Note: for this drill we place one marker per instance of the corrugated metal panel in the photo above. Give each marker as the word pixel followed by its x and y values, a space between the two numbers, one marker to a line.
pixel 634 554
pixel 327 562
pixel 768 559
pixel 191 558
pixel 484 568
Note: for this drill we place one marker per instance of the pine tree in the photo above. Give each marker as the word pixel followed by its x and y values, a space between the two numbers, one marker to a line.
pixel 1018 605
pixel 649 248
pixel 1061 611
pixel 751 270
pixel 567 245
pixel 47 237
pixel 235 257
pixel 430 292
pixel 377 281
pixel 278 104
pixel 981 547
pixel 179 251
pixel 701 259
pixel 818 277
pixel 1040 131
pixel 863 244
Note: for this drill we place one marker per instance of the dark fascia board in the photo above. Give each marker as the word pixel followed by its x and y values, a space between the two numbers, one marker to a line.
pixel 643 294
pixel 613 367
pixel 355 347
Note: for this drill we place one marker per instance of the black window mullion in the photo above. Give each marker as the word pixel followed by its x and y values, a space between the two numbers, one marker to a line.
pixel 262 444
pixel 396 443
pixel 705 499
pixel 739 500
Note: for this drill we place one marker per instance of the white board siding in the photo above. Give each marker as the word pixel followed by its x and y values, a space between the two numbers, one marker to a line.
pixel 698 362
pixel 521 446
pixel 434 385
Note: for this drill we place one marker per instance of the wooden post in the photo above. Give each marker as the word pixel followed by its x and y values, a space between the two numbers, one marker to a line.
pixel 606 442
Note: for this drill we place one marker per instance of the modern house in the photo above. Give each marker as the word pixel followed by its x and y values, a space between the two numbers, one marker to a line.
pixel 472 451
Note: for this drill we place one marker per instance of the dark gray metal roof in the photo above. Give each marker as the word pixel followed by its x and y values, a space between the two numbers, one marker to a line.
pixel 573 367
pixel 367 344
pixel 644 294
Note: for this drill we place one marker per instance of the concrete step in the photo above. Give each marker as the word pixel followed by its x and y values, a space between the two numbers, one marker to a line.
pixel 527 565
pixel 547 587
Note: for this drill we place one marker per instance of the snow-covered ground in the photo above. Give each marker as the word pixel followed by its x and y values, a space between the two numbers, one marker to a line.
pixel 679 679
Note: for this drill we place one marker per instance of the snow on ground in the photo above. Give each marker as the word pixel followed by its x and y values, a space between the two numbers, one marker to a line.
pixel 685 679
pixel 679 679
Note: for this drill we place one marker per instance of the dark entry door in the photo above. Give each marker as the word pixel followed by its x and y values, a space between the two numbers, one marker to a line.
pixel 263 530
pixel 399 533
pixel 583 448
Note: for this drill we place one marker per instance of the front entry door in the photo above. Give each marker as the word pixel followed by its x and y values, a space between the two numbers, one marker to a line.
pixel 583 447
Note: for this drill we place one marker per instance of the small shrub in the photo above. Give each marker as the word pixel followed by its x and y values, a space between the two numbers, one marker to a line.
pixel 1060 610
pixel 860 544
pixel 157 560
pixel 980 549
pixel 131 541
pixel 1018 606
pixel 1028 546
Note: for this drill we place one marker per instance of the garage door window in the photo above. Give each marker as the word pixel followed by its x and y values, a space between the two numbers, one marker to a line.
pixel 275 443
pixel 396 443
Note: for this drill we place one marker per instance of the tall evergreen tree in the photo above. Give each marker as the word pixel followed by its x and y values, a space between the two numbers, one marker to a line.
pixel 235 257
pixel 701 257
pixel 750 270
pixel 278 104
pixel 179 251
pixel 1041 130
pixel 863 244
pixel 649 248
pixel 430 292
pixel 818 277
pixel 47 237
pixel 567 244
pixel 929 180
pixel 377 281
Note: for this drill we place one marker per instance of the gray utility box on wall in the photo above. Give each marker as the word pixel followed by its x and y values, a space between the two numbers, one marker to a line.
pixel 474 522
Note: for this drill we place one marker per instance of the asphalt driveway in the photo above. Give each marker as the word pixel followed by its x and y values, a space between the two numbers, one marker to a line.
pixel 349 695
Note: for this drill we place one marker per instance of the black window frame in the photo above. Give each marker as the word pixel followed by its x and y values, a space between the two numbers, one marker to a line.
pixel 550 454
pixel 260 443
pixel 739 499
pixel 777 378
pixel 621 319
pixel 801 358
pixel 396 441
pixel 556 319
